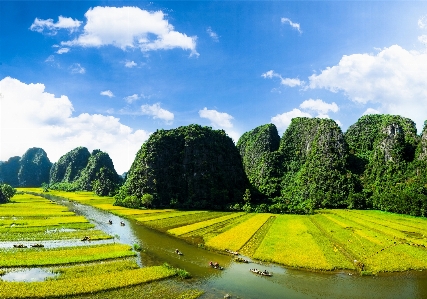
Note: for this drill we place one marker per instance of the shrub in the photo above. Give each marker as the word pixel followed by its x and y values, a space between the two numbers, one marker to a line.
pixel 6 193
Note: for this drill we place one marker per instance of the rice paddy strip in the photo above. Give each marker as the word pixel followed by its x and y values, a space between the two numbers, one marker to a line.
pixel 42 221
pixel 419 222
pixel 236 237
pixel 202 224
pixel 167 215
pixel 212 231
pixel 360 242
pixel 388 228
pixel 92 269
pixel 31 257
pixel 295 241
pixel 169 223
pixel 252 245
pixel 136 213
pixel 84 285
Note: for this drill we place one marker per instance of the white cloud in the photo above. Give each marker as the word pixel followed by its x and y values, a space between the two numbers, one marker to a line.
pixel 422 22
pixel 131 27
pixel 56 130
pixel 63 50
pixel 322 108
pixel 293 25
pixel 131 99
pixel 292 82
pixel 107 93
pixel 51 58
pixel 130 64
pixel 394 78
pixel 157 112
pixel 48 25
pixel 371 111
pixel 423 39
pixel 76 68
pixel 212 34
pixel 220 120
pixel 282 121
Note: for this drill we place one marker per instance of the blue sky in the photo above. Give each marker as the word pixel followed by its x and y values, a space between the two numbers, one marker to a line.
pixel 106 74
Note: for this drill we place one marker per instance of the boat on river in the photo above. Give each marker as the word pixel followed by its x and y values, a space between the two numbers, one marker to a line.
pixel 262 273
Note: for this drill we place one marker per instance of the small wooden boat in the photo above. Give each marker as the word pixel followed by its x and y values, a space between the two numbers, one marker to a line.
pixel 37 245
pixel 241 260
pixel 122 223
pixel 110 222
pixel 216 266
pixel 178 252
pixel 232 252
pixel 19 246
pixel 86 238
pixel 262 273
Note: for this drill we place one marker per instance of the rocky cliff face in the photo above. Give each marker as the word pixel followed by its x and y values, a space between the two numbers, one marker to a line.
pixel 34 168
pixel 69 166
pixel 9 171
pixel 191 167
pixel 261 161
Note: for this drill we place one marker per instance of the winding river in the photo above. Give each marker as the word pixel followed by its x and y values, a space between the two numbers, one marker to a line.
pixel 237 280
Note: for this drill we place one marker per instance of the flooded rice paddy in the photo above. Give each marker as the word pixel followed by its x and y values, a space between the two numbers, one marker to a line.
pixel 236 279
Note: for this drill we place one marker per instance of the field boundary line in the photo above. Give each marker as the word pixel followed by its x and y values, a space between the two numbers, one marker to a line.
pixel 256 232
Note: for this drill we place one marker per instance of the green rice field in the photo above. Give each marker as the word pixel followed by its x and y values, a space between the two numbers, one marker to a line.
pixel 90 271
pixel 356 240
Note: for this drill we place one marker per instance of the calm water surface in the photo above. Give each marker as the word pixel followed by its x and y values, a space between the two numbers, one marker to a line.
pixel 237 280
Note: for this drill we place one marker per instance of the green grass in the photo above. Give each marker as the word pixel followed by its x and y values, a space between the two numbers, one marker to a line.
pixel 31 257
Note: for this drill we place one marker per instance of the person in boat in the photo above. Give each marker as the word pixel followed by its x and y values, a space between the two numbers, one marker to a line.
pixel 122 223
pixel 211 264
pixel 110 222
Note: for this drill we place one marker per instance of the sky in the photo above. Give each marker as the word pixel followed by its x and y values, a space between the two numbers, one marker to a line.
pixel 107 74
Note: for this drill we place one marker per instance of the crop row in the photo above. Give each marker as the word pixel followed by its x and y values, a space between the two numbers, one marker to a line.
pixel 236 237
pixel 84 285
pixel 295 241
pixel 31 257
pixel 201 224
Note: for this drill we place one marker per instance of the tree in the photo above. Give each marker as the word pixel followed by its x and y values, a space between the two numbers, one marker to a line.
pixel 6 193
pixel 147 200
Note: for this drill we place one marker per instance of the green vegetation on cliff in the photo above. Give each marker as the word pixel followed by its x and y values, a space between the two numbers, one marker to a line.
pixel 189 167
pixel 80 170
pixel 34 167
pixel 261 161
pixel 69 166
pixel 9 171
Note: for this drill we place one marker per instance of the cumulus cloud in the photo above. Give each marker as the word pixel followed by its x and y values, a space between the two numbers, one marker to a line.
pixel 282 121
pixel 56 130
pixel 131 27
pixel 157 112
pixel 292 82
pixel 63 50
pixel 107 93
pixel 212 34
pixel 395 79
pixel 220 120
pixel 130 64
pixel 131 99
pixel 322 108
pixel 292 24
pixel 423 39
pixel 50 27
pixel 76 68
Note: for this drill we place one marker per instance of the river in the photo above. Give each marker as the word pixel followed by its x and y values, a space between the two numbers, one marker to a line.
pixel 237 280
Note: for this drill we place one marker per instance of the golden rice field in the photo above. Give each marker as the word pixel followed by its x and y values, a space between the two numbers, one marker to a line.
pixel 91 271
pixel 359 240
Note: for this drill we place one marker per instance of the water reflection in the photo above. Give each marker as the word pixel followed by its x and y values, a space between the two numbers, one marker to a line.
pixel 27 275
